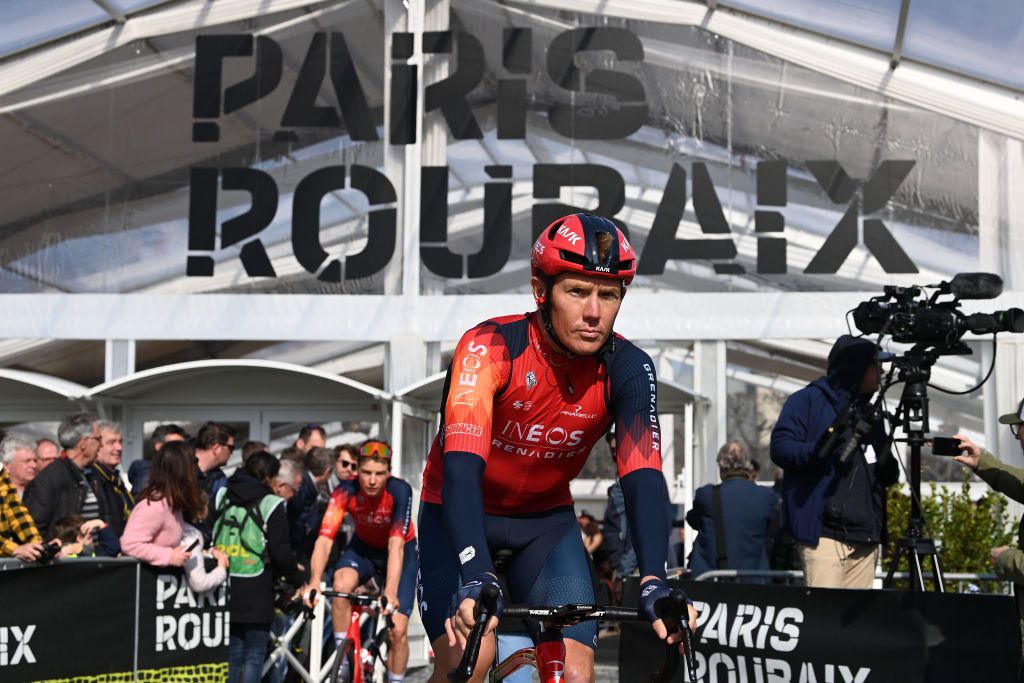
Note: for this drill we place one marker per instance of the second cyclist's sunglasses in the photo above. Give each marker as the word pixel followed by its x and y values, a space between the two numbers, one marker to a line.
pixel 375 449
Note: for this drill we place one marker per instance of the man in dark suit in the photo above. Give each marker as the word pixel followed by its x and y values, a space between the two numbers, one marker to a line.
pixel 306 507
pixel 737 513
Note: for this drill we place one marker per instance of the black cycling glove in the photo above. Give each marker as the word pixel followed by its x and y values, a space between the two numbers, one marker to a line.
pixel 471 590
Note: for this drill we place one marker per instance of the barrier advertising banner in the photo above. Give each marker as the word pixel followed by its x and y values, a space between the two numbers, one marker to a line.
pixel 783 634
pixel 110 621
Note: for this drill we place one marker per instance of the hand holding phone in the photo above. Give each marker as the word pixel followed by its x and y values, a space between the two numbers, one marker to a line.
pixel 946 446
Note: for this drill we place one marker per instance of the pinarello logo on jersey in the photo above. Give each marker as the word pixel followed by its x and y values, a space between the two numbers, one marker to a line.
pixel 577 412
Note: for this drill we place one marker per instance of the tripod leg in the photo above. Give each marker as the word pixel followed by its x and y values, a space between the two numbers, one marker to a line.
pixel 916 575
pixel 894 564
pixel 940 583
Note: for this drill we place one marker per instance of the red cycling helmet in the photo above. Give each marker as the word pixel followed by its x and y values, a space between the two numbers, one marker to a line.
pixel 569 245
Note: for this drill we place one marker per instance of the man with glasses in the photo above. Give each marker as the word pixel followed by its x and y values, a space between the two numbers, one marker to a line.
pixel 384 542
pixel 69 487
pixel 345 466
pixel 214 445
pixel 1008 561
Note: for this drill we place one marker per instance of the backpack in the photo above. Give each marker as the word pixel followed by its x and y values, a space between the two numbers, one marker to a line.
pixel 241 533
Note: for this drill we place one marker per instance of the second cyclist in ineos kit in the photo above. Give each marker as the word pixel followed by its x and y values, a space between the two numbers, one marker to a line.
pixel 384 542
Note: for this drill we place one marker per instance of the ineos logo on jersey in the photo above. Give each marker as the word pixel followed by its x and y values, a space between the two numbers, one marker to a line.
pixel 469 365
pixel 553 436
pixel 16 638
pixel 568 234
pixel 575 412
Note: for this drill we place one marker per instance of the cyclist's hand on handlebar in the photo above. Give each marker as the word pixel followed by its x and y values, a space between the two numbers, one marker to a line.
pixel 392 604
pixel 655 598
pixel 461 612
pixel 308 595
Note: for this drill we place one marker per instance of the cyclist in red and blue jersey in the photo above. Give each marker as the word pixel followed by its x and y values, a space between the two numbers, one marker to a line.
pixel 384 542
pixel 526 398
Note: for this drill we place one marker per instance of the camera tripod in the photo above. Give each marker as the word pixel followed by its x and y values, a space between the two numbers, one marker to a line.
pixel 915 371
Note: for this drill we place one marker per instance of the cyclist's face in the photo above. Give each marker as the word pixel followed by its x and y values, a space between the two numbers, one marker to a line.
pixel 373 476
pixel 583 311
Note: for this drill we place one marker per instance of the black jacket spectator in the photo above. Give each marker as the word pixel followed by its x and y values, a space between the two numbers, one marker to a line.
pixel 844 501
pixel 252 598
pixel 59 491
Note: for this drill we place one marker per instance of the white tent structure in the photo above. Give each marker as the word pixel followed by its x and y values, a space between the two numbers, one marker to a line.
pixel 97 113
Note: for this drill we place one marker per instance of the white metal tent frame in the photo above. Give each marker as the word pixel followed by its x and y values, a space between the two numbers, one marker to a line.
pixel 710 317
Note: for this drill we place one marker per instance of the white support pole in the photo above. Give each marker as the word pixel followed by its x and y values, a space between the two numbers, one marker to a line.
pixel 119 359
pixel 405 363
pixel 668 441
pixel 688 481
pixel 710 381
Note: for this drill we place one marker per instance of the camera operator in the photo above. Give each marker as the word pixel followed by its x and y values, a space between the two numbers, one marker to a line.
pixel 835 509
pixel 1008 562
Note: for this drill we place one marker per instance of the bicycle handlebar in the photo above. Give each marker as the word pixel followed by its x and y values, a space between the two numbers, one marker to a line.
pixel 485 608
pixel 675 614
pixel 356 599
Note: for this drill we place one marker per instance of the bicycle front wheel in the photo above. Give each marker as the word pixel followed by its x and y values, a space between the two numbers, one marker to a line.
pixel 344 663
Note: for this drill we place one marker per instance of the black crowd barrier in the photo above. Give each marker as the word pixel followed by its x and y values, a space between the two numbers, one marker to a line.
pixel 110 621
pixel 778 634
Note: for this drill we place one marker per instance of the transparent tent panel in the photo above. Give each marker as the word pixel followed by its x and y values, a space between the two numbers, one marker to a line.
pixel 866 22
pixel 717 111
pixel 28 23
pixel 982 40
pixel 129 6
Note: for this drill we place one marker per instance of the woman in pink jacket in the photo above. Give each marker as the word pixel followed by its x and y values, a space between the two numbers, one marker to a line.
pixel 155 528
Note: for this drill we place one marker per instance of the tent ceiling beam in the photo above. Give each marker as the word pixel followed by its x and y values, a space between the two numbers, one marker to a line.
pixel 114 13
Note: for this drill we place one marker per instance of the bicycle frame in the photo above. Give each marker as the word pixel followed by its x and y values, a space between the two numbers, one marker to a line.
pixel 363 608
pixel 548 657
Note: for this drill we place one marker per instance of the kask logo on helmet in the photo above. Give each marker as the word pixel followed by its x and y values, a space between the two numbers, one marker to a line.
pixel 568 234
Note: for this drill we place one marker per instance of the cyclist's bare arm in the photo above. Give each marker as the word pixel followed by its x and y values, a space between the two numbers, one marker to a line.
pixel 393 575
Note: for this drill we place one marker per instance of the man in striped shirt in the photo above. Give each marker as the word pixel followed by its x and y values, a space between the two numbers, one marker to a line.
pixel 68 487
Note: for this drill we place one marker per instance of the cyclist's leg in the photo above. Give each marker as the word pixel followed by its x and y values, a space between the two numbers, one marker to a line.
pixel 354 567
pixel 438 581
pixel 552 569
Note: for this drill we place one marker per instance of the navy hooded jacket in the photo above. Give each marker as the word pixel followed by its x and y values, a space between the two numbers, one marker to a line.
pixel 847 501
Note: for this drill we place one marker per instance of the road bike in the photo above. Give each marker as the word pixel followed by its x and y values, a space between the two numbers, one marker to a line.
pixel 548 655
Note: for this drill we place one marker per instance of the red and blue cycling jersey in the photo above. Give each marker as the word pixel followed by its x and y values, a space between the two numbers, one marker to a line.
pixel 533 415
pixel 377 518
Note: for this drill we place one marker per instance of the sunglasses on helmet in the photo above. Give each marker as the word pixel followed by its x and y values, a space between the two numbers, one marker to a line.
pixel 375 449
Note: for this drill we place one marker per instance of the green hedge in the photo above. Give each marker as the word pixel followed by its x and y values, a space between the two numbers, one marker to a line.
pixel 964 530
